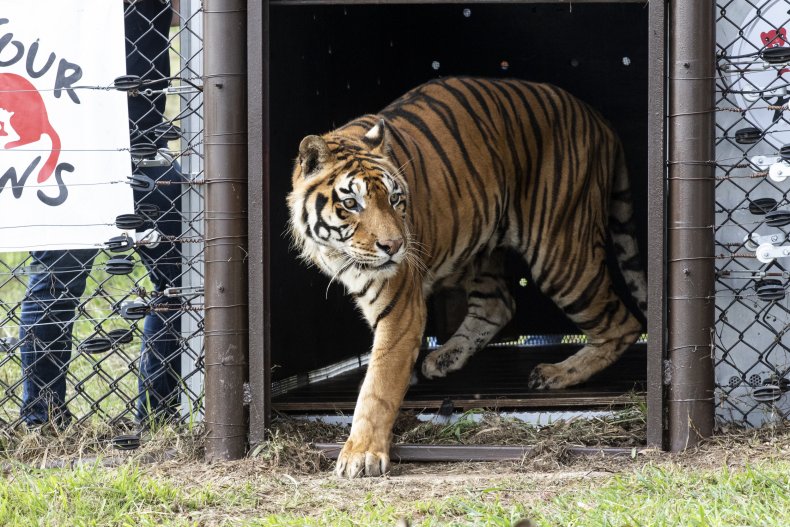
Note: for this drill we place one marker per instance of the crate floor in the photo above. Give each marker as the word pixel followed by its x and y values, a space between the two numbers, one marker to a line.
pixel 494 378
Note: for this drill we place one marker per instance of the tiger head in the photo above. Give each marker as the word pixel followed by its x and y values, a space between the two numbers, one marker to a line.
pixel 348 204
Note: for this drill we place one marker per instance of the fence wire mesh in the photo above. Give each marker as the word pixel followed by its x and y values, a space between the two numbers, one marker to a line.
pixel 115 333
pixel 752 352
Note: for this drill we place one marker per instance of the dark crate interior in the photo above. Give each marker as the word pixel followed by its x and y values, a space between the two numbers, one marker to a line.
pixel 494 378
pixel 330 64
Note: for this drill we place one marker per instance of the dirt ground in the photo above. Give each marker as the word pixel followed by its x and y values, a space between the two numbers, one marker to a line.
pixel 308 488
pixel 282 492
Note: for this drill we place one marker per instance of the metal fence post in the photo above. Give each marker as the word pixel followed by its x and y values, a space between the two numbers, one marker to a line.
pixel 225 96
pixel 690 304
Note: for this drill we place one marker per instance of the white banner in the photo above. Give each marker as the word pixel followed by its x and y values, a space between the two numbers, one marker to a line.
pixel 64 144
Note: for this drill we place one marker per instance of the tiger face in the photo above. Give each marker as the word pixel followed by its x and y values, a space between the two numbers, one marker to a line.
pixel 348 206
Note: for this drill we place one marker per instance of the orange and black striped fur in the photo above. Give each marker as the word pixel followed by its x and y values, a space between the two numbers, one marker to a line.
pixel 430 193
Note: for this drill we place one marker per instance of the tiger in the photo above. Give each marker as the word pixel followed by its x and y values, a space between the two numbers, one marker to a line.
pixel 432 192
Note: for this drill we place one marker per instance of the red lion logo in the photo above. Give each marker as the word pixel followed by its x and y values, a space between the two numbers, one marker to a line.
pixel 28 118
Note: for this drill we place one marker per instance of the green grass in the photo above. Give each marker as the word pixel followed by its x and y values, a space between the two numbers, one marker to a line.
pixel 755 495
pixel 94 496
pixel 671 495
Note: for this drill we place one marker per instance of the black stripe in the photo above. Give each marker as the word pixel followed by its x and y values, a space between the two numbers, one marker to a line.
pixel 619 227
pixel 497 294
pixel 602 319
pixel 388 309
pixel 365 288
pixel 590 291
pixel 376 296
pixel 484 319
pixel 632 264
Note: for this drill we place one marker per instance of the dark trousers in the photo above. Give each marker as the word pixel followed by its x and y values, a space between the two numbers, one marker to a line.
pixel 50 309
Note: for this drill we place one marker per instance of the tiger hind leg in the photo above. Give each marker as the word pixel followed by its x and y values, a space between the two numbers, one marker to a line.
pixel 606 321
pixel 489 307
pixel 623 232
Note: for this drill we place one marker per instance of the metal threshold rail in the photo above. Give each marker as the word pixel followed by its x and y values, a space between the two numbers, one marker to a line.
pixel 382 2
pixel 499 403
pixel 421 453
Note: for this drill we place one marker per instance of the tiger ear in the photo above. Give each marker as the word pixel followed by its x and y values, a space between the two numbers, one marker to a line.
pixel 313 153
pixel 377 138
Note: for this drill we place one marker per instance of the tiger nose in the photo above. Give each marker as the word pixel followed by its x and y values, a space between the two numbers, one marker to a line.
pixel 390 246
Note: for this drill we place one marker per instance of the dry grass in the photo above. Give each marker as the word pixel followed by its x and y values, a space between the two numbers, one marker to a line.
pixel 622 428
pixel 89 442
pixel 736 447
pixel 289 449
pixel 290 445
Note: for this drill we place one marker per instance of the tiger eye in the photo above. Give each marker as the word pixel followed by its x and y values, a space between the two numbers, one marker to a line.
pixel 350 203
pixel 395 199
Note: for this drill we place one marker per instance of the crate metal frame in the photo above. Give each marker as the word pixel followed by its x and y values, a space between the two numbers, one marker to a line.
pixel 660 35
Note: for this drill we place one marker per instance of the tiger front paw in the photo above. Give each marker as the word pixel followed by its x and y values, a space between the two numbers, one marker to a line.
pixel 358 459
pixel 549 377
pixel 440 362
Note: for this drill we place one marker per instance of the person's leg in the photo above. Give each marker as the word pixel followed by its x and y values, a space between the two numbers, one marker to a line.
pixel 47 318
pixel 160 360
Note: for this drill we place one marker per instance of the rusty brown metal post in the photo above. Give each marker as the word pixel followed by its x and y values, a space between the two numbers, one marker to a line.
pixel 258 218
pixel 690 266
pixel 656 225
pixel 225 101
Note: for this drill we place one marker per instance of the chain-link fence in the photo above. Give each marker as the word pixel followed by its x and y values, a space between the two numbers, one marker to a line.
pixel 752 211
pixel 115 332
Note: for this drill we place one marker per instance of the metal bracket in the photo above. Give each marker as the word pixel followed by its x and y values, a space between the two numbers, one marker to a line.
pixel 767 252
pixel 777 92
pixel 29 269
pixel 745 274
pixel 186 291
pixel 764 162
pixel 170 90
pixel 162 159
pixel 750 65
pixel 754 240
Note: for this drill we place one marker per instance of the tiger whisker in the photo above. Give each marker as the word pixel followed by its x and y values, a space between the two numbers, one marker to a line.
pixel 416 268
pixel 416 246
pixel 348 263
pixel 415 251
pixel 399 170
pixel 413 258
